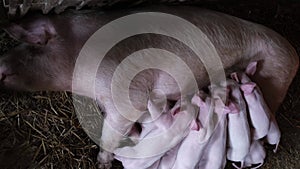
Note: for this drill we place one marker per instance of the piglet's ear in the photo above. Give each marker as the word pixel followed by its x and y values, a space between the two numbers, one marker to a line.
pixel 38 34
pixel 195 125
pixel 251 68
pixel 226 110
pixel 233 107
pixel 197 100
pixel 248 88
pixel 235 77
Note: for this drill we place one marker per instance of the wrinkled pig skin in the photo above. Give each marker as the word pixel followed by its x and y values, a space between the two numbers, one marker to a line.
pixel 51 43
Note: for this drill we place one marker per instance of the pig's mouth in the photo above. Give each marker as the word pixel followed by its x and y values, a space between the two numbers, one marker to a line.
pixel 5 76
pixel 8 81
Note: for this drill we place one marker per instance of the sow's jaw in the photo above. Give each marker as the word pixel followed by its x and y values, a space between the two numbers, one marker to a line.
pixel 46 58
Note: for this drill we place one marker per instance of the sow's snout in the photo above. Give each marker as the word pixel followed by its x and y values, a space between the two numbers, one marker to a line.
pixel 9 73
pixel 32 68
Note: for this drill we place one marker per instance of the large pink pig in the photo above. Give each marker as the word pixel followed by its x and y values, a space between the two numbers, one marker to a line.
pixel 51 43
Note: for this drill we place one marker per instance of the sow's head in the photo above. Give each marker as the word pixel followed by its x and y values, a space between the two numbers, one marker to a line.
pixel 43 60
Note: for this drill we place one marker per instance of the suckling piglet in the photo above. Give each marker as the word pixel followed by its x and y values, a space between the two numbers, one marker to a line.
pixel 257 108
pixel 238 128
pixel 193 145
pixel 214 155
pixel 262 119
pixel 161 119
pixel 205 106
pixel 190 150
pixel 159 127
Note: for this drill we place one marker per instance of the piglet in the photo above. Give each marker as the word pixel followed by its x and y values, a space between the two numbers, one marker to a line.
pixel 258 110
pixel 192 147
pixel 273 136
pixel 162 120
pixel 206 106
pixel 256 155
pixel 202 100
pixel 190 151
pixel 238 127
pixel 168 160
pixel 214 153
pixel 243 77
pixel 159 128
pixel 260 115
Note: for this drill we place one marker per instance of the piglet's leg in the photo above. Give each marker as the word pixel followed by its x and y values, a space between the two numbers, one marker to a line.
pixel 168 160
pixel 256 155
pixel 238 130
pixel 190 151
pixel 115 128
pixel 273 136
pixel 140 163
pixel 158 109
pixel 214 155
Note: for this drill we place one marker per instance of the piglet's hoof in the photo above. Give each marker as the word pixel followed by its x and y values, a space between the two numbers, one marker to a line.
pixel 105 165
pixel 105 160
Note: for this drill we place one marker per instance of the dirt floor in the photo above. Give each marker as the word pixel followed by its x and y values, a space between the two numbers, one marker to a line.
pixel 40 130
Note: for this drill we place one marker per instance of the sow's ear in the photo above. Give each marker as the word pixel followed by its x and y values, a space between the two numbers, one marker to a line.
pixel 251 68
pixel 39 33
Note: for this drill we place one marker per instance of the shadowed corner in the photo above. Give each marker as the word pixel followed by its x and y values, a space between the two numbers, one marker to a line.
pixel 16 155
pixel 3 15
